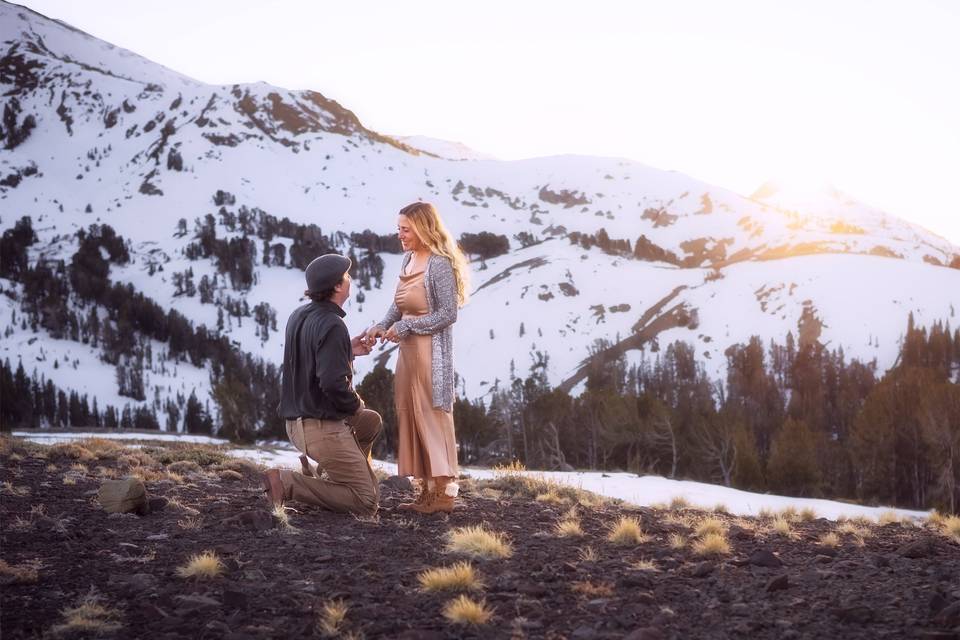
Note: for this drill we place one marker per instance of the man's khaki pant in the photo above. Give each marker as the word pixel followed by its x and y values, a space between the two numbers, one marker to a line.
pixel 342 449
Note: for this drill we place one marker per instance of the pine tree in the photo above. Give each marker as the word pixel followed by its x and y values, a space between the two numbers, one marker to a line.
pixel 792 467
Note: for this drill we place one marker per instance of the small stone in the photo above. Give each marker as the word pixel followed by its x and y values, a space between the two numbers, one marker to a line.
pixel 740 609
pixel 645 633
pixel 779 583
pixel 702 569
pixel 764 558
pixel 532 589
pixel 123 496
pixel 156 537
pixel 401 483
pixel 234 599
pixel 137 582
pixel 823 559
pixel 256 520
pixel 949 616
pixel 739 533
pixel 634 579
pixel 857 614
pixel 157 504
pixel 583 632
pixel 195 602
pixel 914 550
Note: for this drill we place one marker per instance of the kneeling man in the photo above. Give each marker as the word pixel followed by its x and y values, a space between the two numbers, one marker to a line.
pixel 326 419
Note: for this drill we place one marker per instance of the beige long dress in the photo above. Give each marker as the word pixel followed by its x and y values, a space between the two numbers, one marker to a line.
pixel 427 445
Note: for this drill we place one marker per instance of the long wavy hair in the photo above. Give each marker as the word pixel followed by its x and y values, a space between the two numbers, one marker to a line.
pixel 431 231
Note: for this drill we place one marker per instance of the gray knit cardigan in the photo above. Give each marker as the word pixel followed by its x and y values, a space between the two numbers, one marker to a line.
pixel 441 284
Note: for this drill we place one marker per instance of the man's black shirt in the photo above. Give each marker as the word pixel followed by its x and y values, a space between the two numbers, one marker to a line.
pixel 317 368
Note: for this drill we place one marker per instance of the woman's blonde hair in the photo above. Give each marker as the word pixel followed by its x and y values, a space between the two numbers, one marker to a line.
pixel 430 230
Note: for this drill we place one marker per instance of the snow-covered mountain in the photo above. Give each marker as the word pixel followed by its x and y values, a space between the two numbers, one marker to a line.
pixel 444 148
pixel 600 248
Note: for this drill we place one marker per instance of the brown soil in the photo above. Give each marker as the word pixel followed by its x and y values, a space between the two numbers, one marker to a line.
pixel 904 581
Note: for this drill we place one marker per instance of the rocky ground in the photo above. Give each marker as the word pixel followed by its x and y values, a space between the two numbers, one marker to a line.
pixel 70 570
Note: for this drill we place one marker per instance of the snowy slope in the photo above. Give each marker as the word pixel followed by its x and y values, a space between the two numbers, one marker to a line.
pixel 444 148
pixel 122 141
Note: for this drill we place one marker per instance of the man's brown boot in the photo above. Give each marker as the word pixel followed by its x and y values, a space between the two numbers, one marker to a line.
pixel 272 487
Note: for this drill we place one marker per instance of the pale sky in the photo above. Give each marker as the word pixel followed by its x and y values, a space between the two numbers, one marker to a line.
pixel 862 94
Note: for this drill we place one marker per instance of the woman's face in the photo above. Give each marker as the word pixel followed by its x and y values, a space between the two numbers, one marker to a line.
pixel 408 237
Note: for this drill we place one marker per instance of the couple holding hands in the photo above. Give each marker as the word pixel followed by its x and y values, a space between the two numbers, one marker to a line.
pixel 325 417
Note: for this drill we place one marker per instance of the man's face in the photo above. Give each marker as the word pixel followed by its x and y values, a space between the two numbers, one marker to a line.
pixel 343 289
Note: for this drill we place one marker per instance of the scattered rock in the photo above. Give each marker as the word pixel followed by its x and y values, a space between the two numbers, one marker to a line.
pixel 156 504
pixel 400 483
pixel 856 615
pixel 917 549
pixel 702 569
pixel 645 633
pixel 739 533
pixel 123 496
pixel 258 520
pixel 137 582
pixel 234 599
pixel 764 558
pixel 949 616
pixel 194 602
pixel 779 583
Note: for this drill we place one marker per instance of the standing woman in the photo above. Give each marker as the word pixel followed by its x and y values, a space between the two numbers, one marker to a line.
pixel 433 285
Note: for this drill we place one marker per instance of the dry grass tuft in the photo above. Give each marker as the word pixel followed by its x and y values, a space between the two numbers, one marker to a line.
pixel 513 479
pixel 203 566
pixel 936 518
pixel 230 475
pixel 712 544
pixel 332 615
pixel 51 468
pixel 14 457
pixel 888 517
pixel 808 514
pixel 176 503
pixel 105 472
pixel 627 531
pixel 17 491
pixel 645 565
pixel 552 497
pixel 852 529
pixel 190 523
pixel 71 450
pixel 282 517
pixel 464 610
pixel 592 590
pixel 102 448
pixel 587 554
pixel 569 528
pixel 720 508
pixel 475 540
pixel 781 526
pixel 765 512
pixel 69 480
pixel 677 541
pixel 459 577
pixel 951 528
pixel 18 574
pixel 789 513
pixel 709 525
pixel 90 616
pixel 831 540
pixel 183 467
pixel 679 502
pixel 240 465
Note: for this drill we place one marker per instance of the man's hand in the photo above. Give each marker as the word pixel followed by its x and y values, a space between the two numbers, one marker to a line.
pixel 360 346
pixel 373 334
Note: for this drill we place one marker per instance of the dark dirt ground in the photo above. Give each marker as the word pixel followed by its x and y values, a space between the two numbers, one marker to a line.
pixel 891 581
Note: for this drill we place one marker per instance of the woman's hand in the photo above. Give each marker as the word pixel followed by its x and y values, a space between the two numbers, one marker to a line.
pixel 391 334
pixel 373 334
